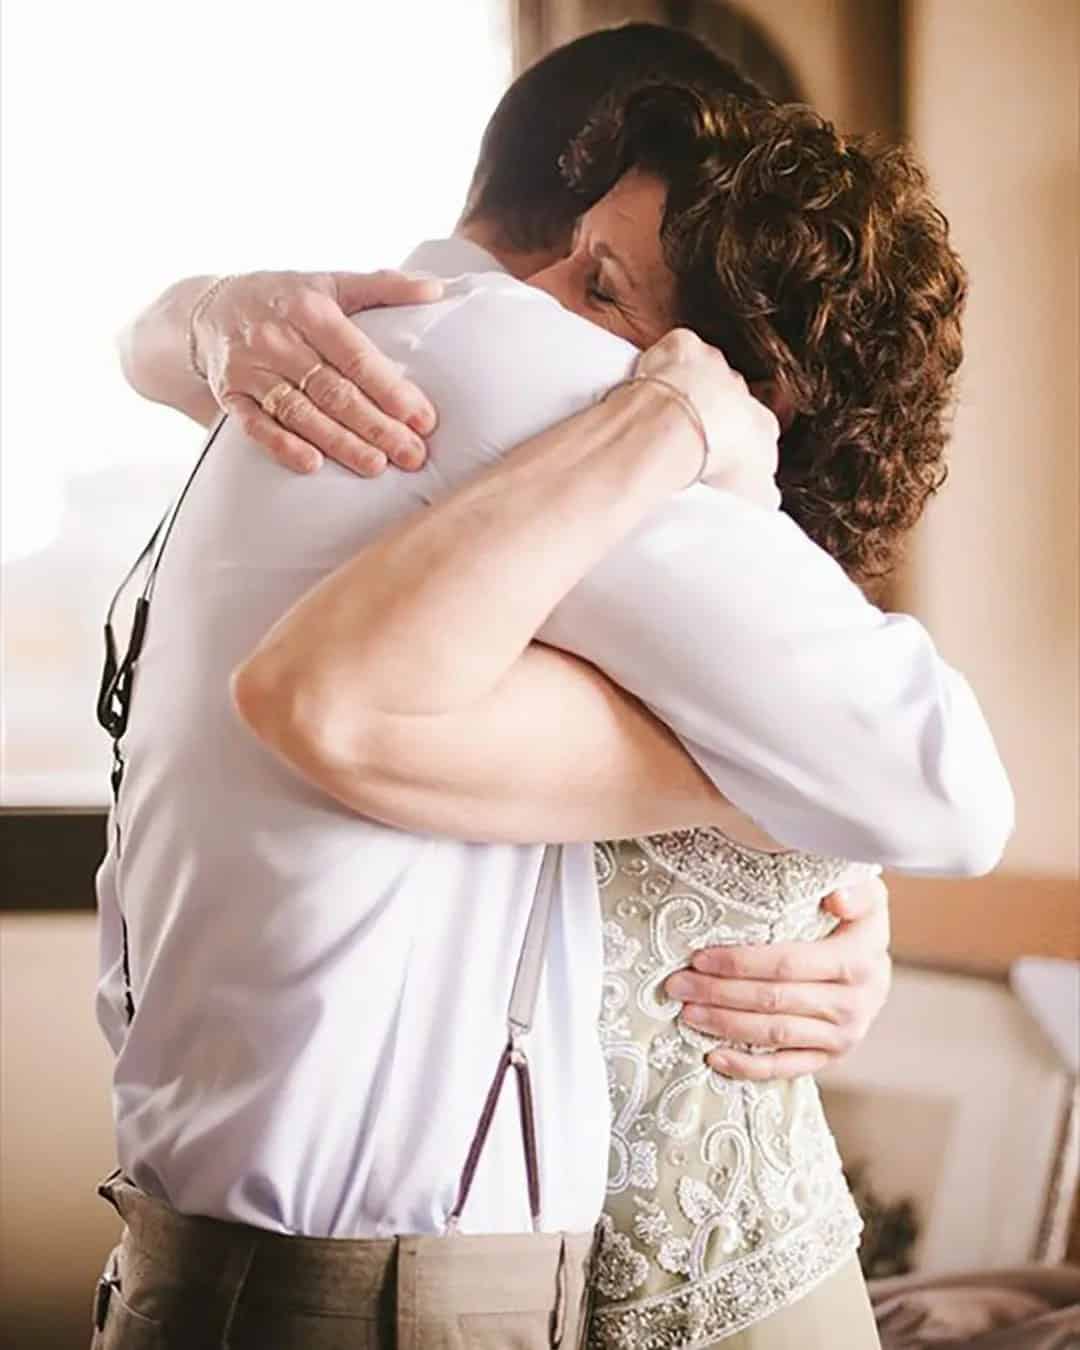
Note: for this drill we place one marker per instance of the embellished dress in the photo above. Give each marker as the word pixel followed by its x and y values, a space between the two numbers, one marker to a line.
pixel 726 1201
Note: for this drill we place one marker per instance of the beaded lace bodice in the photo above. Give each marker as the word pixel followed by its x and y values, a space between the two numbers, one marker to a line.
pixel 726 1200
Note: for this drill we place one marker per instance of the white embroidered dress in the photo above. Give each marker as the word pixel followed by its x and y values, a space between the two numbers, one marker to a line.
pixel 726 1200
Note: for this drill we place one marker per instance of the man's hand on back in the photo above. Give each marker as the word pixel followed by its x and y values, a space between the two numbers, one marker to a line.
pixel 811 1003
pixel 338 396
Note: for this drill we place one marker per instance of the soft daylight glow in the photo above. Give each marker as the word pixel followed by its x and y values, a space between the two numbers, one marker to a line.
pixel 142 143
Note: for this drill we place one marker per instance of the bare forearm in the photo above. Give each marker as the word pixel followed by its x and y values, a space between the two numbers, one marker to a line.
pixel 436 611
pixel 153 352
pixel 405 685
pixel 554 752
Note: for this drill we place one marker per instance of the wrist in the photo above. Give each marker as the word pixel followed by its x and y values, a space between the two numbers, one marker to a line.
pixel 202 303
pixel 658 433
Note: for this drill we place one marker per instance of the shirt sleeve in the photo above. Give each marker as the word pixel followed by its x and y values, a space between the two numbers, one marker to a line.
pixel 836 727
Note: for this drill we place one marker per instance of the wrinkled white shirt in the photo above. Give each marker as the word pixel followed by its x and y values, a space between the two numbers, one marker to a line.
pixel 320 1000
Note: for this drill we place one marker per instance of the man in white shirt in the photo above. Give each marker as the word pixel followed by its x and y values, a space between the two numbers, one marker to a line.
pixel 305 1005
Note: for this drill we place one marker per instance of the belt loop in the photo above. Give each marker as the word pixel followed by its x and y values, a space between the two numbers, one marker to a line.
pixel 558 1317
pixel 406 1280
pixel 106 1191
pixel 234 1277
pixel 585 1302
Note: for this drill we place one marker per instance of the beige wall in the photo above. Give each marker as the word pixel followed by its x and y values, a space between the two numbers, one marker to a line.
pixel 992 102
pixel 843 51
pixel 55 1130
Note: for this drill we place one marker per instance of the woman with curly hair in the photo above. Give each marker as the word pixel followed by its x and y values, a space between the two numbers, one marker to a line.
pixel 822 270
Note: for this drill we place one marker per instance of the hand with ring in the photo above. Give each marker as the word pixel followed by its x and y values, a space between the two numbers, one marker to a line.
pixel 281 356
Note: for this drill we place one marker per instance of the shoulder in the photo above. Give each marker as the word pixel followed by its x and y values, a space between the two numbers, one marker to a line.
pixel 501 361
pixel 492 337
pixel 764 542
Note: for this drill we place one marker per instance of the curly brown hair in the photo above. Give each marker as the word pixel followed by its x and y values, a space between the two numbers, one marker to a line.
pixel 819 263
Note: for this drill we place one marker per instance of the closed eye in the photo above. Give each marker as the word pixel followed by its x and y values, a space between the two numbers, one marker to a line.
pixel 596 293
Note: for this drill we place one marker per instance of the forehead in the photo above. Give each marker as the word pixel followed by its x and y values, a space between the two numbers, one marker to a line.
pixel 628 219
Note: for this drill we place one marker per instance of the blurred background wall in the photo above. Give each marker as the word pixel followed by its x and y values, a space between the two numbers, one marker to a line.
pixel 987 90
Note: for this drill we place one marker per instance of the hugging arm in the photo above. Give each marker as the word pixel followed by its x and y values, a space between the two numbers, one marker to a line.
pixel 553 750
pixel 837 727
pixel 550 737
pixel 401 686
pixel 453 722
pixel 833 726
pixel 612 769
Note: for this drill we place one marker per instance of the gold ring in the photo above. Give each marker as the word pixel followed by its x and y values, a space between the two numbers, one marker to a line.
pixel 310 375
pixel 271 402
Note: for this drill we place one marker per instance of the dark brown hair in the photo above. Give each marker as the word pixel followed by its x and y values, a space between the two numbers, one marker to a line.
pixel 817 262
pixel 517 182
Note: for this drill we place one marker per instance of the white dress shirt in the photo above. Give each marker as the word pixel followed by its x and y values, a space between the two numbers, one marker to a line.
pixel 320 1000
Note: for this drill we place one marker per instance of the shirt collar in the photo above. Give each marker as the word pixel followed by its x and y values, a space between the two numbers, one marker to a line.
pixel 451 258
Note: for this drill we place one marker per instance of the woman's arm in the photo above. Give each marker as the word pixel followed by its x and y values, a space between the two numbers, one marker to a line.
pixel 250 333
pixel 554 751
pixel 154 355
pixel 402 685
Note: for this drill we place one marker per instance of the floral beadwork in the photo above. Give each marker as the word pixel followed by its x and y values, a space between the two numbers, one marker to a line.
pixel 726 1200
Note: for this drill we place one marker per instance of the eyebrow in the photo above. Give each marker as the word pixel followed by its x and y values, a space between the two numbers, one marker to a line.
pixel 606 253
pixel 601 251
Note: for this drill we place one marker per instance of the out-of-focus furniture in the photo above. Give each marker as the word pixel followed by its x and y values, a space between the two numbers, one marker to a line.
pixel 953 1114
pixel 1029 1308
pixel 1050 991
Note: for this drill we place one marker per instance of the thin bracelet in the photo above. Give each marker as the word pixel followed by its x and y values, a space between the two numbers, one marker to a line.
pixel 196 313
pixel 684 401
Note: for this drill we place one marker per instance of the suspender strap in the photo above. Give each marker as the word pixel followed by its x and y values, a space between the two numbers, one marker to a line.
pixel 520 1014
pixel 530 965
pixel 114 694
pixel 118 673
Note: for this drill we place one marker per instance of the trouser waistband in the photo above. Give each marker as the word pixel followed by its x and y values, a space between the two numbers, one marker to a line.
pixel 174 1267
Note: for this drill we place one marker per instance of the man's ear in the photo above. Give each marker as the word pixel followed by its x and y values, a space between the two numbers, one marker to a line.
pixel 777 399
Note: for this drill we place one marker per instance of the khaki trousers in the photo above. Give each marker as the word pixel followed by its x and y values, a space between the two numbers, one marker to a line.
pixel 836 1315
pixel 198 1284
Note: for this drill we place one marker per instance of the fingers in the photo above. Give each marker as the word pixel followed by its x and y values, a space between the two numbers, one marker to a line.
pixel 804 1000
pixel 330 412
pixel 268 327
pixel 679 345
pixel 297 414
pixel 763 1068
pixel 344 346
pixel 787 962
pixel 856 902
pixel 834 1002
pixel 365 290
pixel 770 426
pixel 287 450
pixel 347 406
pixel 773 394
pixel 770 1032
pixel 852 954
pixel 357 382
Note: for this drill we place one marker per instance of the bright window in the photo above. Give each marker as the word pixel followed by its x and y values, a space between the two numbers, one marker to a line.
pixel 146 142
